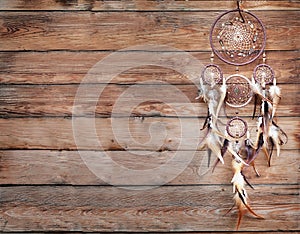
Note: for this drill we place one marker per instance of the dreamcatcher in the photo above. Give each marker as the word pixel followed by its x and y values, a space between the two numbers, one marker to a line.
pixel 238 38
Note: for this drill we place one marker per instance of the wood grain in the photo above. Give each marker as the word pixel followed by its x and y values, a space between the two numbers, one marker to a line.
pixel 117 30
pixel 36 167
pixel 145 5
pixel 48 47
pixel 157 134
pixel 116 100
pixel 172 208
pixel 71 67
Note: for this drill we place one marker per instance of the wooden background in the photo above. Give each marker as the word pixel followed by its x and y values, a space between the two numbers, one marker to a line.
pixel 46 49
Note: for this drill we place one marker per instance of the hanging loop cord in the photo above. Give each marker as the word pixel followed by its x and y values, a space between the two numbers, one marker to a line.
pixel 239 9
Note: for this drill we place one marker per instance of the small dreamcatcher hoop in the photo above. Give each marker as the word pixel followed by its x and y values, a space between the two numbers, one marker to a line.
pixel 212 74
pixel 263 73
pixel 239 92
pixel 237 37
pixel 236 127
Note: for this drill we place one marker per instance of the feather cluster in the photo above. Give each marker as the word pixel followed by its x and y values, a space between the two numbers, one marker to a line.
pixel 243 151
pixel 241 196
pixel 269 134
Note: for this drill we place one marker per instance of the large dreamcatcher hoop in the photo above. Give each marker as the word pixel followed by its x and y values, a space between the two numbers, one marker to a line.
pixel 238 37
pixel 239 92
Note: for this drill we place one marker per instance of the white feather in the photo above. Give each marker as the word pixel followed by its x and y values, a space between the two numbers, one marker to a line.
pixel 274 134
pixel 256 88
pixel 274 91
pixel 223 90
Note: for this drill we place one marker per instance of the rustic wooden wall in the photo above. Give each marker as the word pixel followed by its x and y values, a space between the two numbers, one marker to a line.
pixel 46 49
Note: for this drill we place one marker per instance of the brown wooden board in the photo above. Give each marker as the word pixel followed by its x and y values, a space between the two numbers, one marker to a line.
pixel 44 167
pixel 155 133
pixel 172 208
pixel 72 67
pixel 122 100
pixel 145 5
pixel 118 30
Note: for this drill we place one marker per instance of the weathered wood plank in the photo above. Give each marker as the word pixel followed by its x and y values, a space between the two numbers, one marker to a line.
pixel 156 134
pixel 143 5
pixel 25 167
pixel 117 30
pixel 121 100
pixel 174 208
pixel 71 67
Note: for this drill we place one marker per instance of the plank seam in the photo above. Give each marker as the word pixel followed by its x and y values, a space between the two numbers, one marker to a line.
pixel 125 51
pixel 130 186
pixel 143 11
pixel 11 117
